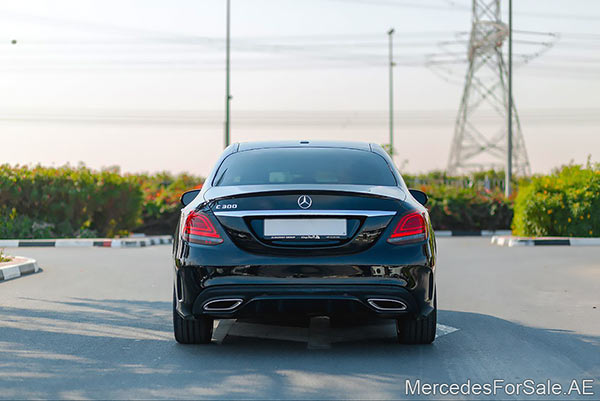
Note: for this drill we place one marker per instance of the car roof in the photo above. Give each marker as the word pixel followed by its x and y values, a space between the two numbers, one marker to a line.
pixel 304 144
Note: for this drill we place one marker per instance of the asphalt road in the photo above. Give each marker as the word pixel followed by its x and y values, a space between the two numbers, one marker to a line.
pixel 96 323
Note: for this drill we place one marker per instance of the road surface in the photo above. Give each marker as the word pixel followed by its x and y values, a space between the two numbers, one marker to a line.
pixel 96 323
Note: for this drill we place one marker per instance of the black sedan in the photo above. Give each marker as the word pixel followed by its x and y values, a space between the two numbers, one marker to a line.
pixel 304 229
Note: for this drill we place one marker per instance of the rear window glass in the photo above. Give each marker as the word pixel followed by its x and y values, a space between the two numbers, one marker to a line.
pixel 304 166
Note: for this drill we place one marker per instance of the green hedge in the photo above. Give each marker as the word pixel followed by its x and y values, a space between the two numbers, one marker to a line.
pixel 66 201
pixel 161 207
pixel 565 203
pixel 465 203
pixel 40 202
pixel 468 209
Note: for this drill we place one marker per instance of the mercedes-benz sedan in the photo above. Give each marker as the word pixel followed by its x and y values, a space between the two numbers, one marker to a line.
pixel 304 228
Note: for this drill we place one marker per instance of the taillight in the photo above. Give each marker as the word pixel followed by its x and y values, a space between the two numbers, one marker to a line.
pixel 410 228
pixel 198 229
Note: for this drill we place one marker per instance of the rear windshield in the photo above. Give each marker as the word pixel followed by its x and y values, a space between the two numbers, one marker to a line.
pixel 304 166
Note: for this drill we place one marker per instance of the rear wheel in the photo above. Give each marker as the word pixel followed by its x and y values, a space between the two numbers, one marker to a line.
pixel 418 331
pixel 197 331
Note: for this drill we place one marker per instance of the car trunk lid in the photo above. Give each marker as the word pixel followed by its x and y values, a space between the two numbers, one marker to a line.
pixel 290 219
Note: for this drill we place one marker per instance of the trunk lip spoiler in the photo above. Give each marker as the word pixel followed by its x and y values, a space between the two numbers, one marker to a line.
pixel 296 212
pixel 216 193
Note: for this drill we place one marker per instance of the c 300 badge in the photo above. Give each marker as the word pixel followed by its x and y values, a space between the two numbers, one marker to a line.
pixel 227 206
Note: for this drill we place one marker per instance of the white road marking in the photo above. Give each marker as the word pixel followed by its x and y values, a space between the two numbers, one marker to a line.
pixel 442 330
pixel 222 329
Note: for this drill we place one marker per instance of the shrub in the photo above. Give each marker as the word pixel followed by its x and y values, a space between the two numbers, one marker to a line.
pixel 66 201
pixel 161 192
pixel 565 203
pixel 467 209
pixel 3 257
pixel 48 202
pixel 19 226
pixel 490 180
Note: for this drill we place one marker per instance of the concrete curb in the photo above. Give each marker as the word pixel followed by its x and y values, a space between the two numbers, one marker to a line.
pixel 85 242
pixel 511 241
pixel 28 266
pixel 482 233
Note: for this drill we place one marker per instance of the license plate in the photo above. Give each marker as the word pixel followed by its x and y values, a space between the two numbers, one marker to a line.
pixel 305 228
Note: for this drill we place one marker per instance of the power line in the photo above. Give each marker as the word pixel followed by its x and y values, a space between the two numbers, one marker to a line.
pixel 349 118
pixel 454 6
pixel 405 4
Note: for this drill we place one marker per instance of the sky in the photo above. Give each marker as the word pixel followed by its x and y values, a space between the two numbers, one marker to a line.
pixel 141 83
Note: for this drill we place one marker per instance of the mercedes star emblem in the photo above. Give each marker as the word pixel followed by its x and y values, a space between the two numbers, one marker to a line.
pixel 304 201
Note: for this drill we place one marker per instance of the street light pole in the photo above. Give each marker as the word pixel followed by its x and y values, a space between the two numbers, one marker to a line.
pixel 227 94
pixel 390 33
pixel 509 146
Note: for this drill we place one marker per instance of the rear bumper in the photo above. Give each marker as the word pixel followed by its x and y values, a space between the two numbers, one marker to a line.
pixel 253 296
pixel 317 300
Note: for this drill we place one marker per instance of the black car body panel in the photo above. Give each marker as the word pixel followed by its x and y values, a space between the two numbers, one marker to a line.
pixel 257 275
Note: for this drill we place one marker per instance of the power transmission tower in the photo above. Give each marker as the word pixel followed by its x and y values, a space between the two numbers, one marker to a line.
pixel 481 143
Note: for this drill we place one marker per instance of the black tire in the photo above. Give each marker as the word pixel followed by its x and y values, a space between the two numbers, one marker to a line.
pixel 197 331
pixel 417 331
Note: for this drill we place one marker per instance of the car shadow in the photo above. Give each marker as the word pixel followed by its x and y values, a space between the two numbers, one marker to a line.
pixel 89 348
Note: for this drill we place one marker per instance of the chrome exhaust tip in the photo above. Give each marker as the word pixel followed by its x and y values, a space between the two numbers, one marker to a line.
pixel 387 304
pixel 222 305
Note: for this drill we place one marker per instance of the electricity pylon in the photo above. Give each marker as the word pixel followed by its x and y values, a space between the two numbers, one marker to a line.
pixel 481 144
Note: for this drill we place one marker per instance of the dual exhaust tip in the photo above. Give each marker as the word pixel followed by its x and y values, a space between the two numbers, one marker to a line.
pixel 380 304
pixel 222 305
pixel 387 304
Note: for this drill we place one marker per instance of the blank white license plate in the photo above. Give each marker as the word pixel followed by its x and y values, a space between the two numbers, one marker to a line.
pixel 305 227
